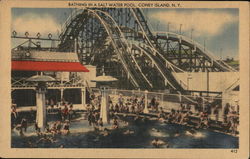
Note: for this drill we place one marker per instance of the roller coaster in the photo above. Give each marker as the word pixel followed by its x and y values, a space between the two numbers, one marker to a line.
pixel 122 40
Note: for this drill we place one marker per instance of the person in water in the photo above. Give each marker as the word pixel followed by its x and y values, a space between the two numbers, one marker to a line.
pixel 58 127
pixel 47 128
pixel 158 143
pixel 105 132
pixel 14 116
pixel 115 124
pixel 128 132
pixel 65 112
pixel 53 128
pixel 100 123
pixel 38 130
pixel 91 118
pixel 24 124
pixel 46 139
pixel 65 130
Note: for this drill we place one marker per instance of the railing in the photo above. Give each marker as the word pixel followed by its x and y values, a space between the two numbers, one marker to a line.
pixel 213 105
pixel 74 82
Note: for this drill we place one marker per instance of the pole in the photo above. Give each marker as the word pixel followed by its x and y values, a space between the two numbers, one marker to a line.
pixel 75 46
pixel 192 33
pixel 146 102
pixel 203 103
pixel 104 106
pixel 168 26
pixel 220 53
pixel 61 95
pixel 162 99
pixel 188 78
pixel 83 90
pixel 204 44
pixel 41 107
pixel 180 28
pixel 207 82
pixel 158 23
pixel 180 98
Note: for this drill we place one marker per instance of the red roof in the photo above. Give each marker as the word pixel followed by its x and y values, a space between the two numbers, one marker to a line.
pixel 48 66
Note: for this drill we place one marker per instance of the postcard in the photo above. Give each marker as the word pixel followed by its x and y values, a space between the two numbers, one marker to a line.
pixel 124 79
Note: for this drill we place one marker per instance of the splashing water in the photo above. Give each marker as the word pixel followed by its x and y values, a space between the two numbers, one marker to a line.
pixel 157 133
pixel 195 134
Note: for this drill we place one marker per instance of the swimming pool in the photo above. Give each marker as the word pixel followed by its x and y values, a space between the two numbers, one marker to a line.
pixel 135 134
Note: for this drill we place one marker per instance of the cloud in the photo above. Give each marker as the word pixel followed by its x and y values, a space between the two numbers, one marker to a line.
pixel 34 23
pixel 203 22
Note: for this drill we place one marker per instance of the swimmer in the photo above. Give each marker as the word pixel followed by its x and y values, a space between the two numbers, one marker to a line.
pixel 154 129
pixel 158 143
pixel 24 124
pixel 191 132
pixel 128 132
pixel 115 124
pixel 21 132
pixel 162 120
pixel 154 143
pixel 47 128
pixel 100 123
pixel 19 129
pixel 65 130
pixel 126 123
pixel 58 127
pixel 46 139
pixel 36 127
pixel 105 132
pixel 53 128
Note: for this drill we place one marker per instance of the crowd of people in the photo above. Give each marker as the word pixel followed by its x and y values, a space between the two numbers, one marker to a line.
pixel 184 115
pixel 64 110
pixel 94 119
pixel 133 104
pixel 205 116
pixel 62 113
pixel 56 128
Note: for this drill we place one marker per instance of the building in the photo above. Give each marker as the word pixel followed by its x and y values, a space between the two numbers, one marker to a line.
pixel 72 78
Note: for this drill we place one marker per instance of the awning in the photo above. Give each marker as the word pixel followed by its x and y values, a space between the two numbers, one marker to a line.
pixel 48 66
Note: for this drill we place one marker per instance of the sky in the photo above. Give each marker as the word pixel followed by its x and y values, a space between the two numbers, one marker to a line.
pixel 217 28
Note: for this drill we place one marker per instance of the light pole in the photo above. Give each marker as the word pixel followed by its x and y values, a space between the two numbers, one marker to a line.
pixel 188 78
pixel 204 43
pixel 192 33
pixel 169 26
pixel 207 82
pixel 220 53
pixel 104 81
pixel 157 27
pixel 180 28
pixel 41 89
pixel 146 103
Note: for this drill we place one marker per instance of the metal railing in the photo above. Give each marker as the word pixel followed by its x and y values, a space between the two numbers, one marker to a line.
pixel 216 107
pixel 73 82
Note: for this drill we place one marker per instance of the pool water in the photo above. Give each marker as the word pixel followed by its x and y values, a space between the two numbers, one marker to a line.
pixel 142 133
